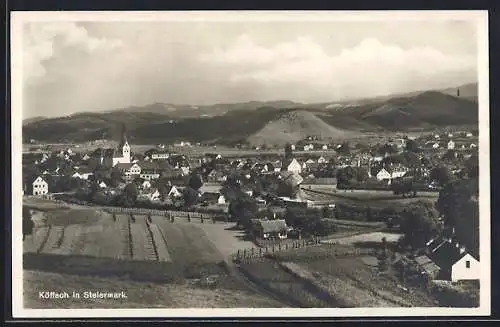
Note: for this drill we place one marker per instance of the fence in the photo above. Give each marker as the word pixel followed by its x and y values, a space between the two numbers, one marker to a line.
pixel 249 255
pixel 171 214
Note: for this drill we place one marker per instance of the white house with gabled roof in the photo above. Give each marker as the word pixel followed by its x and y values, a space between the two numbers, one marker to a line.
pixel 40 186
pixel 466 268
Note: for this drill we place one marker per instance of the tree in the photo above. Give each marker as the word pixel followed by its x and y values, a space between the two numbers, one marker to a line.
pixel 162 189
pixel 361 174
pixel 458 203
pixel 345 148
pixel 129 196
pixel 190 197
pixel 105 199
pixel 115 177
pixel 288 151
pixel 345 176
pixel 28 223
pixel 441 175
pixel 195 182
pixel 404 187
pixel 243 208
pixel 412 146
pixel 472 166
pixel 419 223
pixel 411 159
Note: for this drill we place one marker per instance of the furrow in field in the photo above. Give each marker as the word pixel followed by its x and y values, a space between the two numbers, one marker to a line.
pixel 142 248
pixel 160 242
pixel 71 233
pixel 54 240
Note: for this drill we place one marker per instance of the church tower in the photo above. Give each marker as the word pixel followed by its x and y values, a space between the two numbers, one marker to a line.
pixel 124 146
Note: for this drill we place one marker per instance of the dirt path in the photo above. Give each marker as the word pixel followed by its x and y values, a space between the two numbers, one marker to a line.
pixel 227 239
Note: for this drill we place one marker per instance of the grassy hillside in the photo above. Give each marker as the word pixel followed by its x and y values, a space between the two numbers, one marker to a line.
pixel 293 126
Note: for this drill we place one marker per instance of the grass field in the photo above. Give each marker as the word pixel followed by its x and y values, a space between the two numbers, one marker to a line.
pixel 366 197
pixel 139 294
pixel 104 249
pixel 352 278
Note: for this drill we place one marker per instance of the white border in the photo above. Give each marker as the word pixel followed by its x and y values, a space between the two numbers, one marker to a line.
pixel 19 18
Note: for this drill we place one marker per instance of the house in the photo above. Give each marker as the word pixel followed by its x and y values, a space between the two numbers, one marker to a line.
pixel 292 147
pixel 149 170
pixel 160 155
pixel 221 199
pixel 306 148
pixel 101 184
pixel 454 261
pixel 466 268
pixel 268 229
pixel 146 184
pixel 469 134
pixel 311 146
pixel 383 174
pixel 451 145
pixel 173 192
pixel 435 145
pixel 310 161
pixel 82 173
pixel 216 176
pixel 185 170
pixel 129 170
pixel 40 186
pixel 293 166
pixel 322 160
pixel 76 175
pixel 210 197
pixel 152 195
pixel 427 267
pixel 324 147
pixel 473 145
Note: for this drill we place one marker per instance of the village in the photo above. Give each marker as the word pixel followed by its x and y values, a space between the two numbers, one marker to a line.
pixel 309 194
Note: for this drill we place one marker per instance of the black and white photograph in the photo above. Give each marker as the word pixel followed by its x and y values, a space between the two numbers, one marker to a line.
pixel 260 163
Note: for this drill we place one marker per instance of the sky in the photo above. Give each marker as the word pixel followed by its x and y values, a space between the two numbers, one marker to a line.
pixel 70 67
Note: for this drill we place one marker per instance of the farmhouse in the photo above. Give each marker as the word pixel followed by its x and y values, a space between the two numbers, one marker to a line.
pixel 152 195
pixel 292 166
pixel 451 145
pixel 268 229
pixel 454 261
pixel 160 156
pixel 173 192
pixel 383 174
pixel 149 170
pixel 82 173
pixel 129 170
pixel 40 186
pixel 466 268
pixel 427 267
pixel 322 160
pixel 221 199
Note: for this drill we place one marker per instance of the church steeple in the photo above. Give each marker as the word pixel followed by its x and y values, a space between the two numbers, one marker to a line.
pixel 123 139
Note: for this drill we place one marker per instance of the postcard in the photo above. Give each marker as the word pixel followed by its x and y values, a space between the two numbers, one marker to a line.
pixel 250 164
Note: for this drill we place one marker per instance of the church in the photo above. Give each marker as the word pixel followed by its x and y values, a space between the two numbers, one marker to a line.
pixel 124 148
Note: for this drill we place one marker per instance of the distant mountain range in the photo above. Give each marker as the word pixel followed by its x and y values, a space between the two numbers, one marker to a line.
pixel 255 122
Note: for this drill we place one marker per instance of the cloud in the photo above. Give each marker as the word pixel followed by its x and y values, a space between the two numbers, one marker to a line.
pixel 42 42
pixel 369 67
